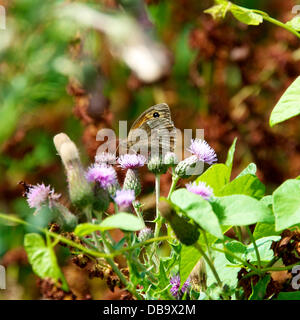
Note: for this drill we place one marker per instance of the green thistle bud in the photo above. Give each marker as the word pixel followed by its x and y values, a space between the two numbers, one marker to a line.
pixel 157 166
pixel 66 220
pixel 185 167
pixel 132 181
pixel 101 201
pixel 170 159
pixel 80 190
pixel 145 234
pixel 186 232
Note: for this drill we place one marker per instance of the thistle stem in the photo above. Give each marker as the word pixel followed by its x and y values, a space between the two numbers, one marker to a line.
pixel 255 247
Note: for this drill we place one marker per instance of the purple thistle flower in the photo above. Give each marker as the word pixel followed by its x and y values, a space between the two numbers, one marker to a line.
pixel 203 151
pixel 124 198
pixel 103 174
pixel 39 194
pixel 175 282
pixel 200 188
pixel 106 158
pixel 131 161
pixel 186 285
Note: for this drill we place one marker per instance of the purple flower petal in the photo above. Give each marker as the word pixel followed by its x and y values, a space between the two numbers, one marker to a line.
pixel 124 198
pixel 132 161
pixel 103 174
pixel 200 188
pixel 203 151
pixel 39 194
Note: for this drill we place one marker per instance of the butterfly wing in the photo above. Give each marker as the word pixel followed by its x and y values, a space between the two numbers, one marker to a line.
pixel 158 131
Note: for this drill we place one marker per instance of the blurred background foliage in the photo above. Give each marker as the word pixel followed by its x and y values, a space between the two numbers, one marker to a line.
pixel 78 73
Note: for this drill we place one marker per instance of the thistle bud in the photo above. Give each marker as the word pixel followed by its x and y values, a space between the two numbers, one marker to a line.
pixel 170 159
pixel 80 191
pixel 186 232
pixel 132 181
pixel 101 201
pixel 145 234
pixel 185 167
pixel 66 220
pixel 157 166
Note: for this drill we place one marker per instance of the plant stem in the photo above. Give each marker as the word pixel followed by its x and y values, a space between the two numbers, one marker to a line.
pixel 255 247
pixel 88 213
pixel 278 23
pixel 128 285
pixel 211 265
pixel 245 263
pixel 175 179
pixel 157 195
pixel 137 210
pixel 207 244
pixel 238 232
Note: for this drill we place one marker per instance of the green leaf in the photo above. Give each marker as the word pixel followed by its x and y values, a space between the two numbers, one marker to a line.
pixel 227 271
pixel 230 155
pixel 250 169
pixel 198 209
pixel 216 177
pixel 43 259
pixel 264 230
pixel 294 23
pixel 246 16
pixel 263 245
pixel 124 221
pixel 241 210
pixel 259 290
pixel 236 247
pixel 286 204
pixel 219 11
pixel 288 105
pixel 289 295
pixel 267 201
pixel 247 184
pixel 190 255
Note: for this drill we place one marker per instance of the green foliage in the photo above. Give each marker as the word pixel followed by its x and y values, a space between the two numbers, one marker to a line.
pixel 286 204
pixel 43 259
pixel 216 176
pixel 288 105
pixel 259 290
pixel 247 184
pixel 230 155
pixel 241 210
pixel 294 23
pixel 198 209
pixel 244 15
pixel 124 221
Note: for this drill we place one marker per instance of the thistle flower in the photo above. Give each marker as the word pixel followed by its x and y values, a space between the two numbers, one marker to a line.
pixel 105 158
pixel 39 195
pixel 200 188
pixel 103 174
pixel 203 151
pixel 186 286
pixel 145 234
pixel 124 198
pixel 131 161
pixel 175 282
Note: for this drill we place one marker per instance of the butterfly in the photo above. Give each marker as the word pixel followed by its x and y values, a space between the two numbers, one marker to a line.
pixel 153 132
